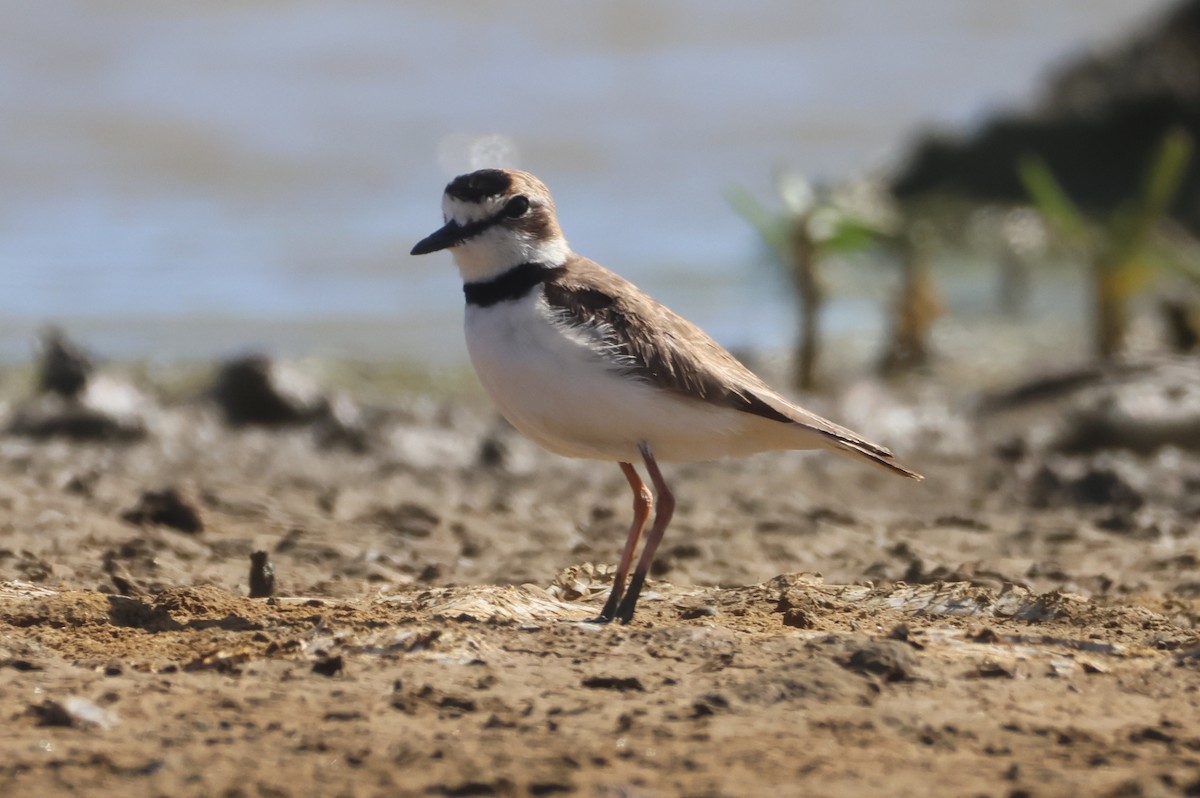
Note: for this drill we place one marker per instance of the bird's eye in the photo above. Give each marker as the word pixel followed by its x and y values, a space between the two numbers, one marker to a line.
pixel 517 206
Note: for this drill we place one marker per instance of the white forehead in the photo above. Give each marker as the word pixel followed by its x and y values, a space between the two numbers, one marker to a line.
pixel 465 212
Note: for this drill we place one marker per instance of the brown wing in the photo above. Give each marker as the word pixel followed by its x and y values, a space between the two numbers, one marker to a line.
pixel 665 349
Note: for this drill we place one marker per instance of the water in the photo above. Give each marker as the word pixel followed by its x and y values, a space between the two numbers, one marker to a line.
pixel 188 180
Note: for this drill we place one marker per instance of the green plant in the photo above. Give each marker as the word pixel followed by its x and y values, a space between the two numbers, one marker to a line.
pixel 815 224
pixel 818 223
pixel 1125 250
pixel 918 301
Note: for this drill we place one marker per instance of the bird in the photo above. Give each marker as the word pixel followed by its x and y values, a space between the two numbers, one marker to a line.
pixel 587 365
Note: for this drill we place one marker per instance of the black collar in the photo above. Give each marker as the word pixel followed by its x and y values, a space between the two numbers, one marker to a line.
pixel 512 284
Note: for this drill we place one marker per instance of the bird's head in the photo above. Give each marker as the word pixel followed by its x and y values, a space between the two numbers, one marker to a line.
pixel 497 219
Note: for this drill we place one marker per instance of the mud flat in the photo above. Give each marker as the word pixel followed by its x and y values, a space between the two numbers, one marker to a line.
pixel 1021 623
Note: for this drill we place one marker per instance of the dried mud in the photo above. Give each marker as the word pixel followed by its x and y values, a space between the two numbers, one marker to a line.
pixel 1021 623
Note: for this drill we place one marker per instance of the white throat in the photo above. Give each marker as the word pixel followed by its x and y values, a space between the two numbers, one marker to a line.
pixel 497 250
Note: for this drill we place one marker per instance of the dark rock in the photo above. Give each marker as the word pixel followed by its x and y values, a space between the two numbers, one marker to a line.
pixel 621 684
pixel 254 390
pixel 699 611
pixel 891 660
pixel 51 713
pixel 990 669
pixel 1104 486
pixel 73 403
pixel 667 560
pixel 1099 159
pixel 457 703
pixel 164 508
pixel 329 666
pixel 1012 450
pixel 1055 385
pixel 985 635
pixel 468 789
pixel 262 575
pixel 52 416
pixel 1140 406
pixel 63 366
pixel 493 452
pixel 407 518
pixel 126 585
pixel 1160 408
pixel 1151 734
pixel 1060 484
pixel 1099 121
pixel 75 712
pixel 709 704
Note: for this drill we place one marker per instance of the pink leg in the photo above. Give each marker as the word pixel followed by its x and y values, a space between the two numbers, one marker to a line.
pixel 662 517
pixel 643 500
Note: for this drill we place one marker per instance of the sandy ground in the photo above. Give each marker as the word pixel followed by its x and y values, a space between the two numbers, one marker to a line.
pixel 1023 623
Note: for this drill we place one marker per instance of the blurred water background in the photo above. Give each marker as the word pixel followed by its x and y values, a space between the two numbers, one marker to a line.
pixel 191 180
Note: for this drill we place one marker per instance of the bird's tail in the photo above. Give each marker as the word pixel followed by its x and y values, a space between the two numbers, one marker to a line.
pixel 873 454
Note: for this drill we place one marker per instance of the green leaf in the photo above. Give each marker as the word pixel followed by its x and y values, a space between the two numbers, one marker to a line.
pixel 849 234
pixel 773 227
pixel 1051 200
pixel 1131 228
pixel 1166 173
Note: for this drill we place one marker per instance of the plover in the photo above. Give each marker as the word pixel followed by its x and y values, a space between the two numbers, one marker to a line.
pixel 587 365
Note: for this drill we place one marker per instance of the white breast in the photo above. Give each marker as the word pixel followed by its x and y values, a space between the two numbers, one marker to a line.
pixel 562 388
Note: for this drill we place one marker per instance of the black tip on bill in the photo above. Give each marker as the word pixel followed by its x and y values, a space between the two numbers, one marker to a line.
pixel 448 236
